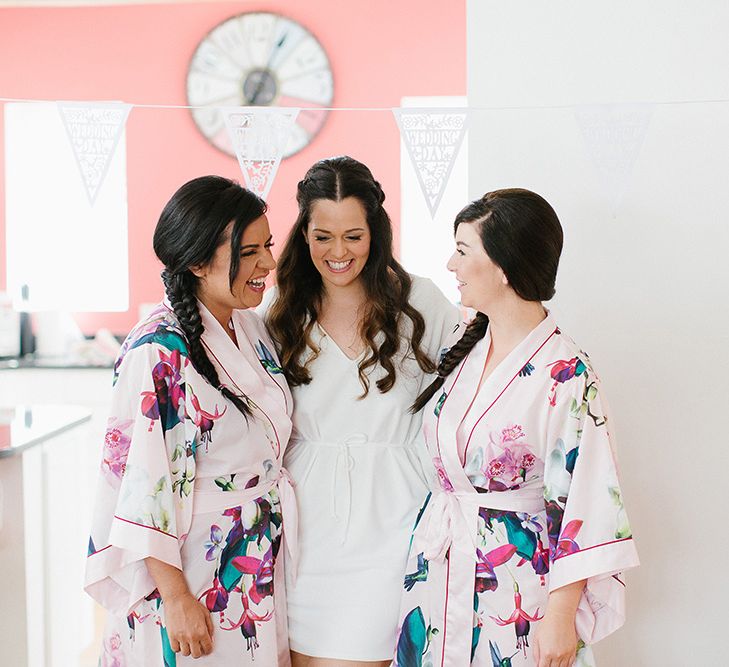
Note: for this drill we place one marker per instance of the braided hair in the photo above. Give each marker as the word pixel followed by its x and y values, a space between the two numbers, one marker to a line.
pixel 474 332
pixel 521 234
pixel 191 227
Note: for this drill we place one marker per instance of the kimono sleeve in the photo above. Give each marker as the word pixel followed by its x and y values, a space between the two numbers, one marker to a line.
pixel 589 533
pixel 144 497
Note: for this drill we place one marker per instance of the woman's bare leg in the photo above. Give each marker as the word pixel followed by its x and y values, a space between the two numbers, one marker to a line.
pixel 301 660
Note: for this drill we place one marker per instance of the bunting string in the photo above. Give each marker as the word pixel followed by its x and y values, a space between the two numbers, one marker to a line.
pixel 613 135
pixel 495 107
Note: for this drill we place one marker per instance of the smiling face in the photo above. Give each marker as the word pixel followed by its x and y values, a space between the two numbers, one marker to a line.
pixel 339 240
pixel 480 281
pixel 256 262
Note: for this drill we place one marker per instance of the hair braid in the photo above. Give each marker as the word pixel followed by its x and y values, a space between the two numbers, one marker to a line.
pixel 474 332
pixel 179 288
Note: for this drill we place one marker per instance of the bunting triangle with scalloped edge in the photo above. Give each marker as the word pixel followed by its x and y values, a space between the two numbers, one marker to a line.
pixel 432 139
pixel 614 135
pixel 259 136
pixel 94 130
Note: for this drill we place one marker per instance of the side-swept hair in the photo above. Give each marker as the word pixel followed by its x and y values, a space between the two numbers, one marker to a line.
pixel 521 234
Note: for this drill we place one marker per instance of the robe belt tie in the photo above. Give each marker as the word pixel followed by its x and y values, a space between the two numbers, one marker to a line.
pixel 449 527
pixel 344 463
pixel 450 519
pixel 217 501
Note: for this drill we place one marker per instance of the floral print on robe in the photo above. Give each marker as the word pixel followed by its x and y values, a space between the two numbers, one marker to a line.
pixel 527 501
pixel 187 479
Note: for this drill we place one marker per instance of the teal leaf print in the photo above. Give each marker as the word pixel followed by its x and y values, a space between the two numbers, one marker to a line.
pixel 168 655
pixel 414 640
pixel 439 404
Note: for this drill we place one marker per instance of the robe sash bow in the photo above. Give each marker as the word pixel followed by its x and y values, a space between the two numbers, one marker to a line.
pixel 447 530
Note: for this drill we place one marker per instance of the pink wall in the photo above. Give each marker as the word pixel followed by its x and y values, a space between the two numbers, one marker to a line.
pixel 380 51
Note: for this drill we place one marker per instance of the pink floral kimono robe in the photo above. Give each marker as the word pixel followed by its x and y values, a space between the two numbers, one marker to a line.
pixel 186 479
pixel 528 501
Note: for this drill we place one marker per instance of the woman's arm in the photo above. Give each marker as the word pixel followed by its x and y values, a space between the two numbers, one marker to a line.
pixel 555 639
pixel 188 622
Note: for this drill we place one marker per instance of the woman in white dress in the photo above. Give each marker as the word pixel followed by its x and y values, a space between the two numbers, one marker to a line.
pixel 358 337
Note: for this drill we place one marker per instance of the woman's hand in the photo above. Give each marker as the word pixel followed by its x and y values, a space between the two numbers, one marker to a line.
pixel 188 622
pixel 189 626
pixel 555 640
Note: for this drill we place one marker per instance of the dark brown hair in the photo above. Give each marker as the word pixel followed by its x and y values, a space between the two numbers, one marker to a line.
pixel 190 229
pixel 521 234
pixel 387 285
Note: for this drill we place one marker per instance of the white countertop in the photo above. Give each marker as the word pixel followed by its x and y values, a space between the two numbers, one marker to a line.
pixel 24 426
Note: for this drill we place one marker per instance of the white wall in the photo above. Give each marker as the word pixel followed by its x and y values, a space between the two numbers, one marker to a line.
pixel 643 291
pixel 426 242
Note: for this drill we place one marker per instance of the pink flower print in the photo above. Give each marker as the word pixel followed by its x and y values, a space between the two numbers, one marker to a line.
pixel 505 466
pixel 512 433
pixel 167 401
pixel 496 468
pixel 116 450
pixel 486 579
pixel 150 407
pixel 521 621
pixel 540 561
pixel 566 543
pixel 445 483
pixel 203 419
pixel 216 597
pixel 563 371
pixel 516 460
pixel 247 623
pixel 262 571
pixel 527 461
pixel 112 655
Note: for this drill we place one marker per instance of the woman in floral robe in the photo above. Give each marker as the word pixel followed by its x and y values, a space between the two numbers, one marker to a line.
pixel 516 557
pixel 193 500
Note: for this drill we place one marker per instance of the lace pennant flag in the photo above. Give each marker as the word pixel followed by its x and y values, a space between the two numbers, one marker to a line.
pixel 94 130
pixel 259 136
pixel 614 135
pixel 432 138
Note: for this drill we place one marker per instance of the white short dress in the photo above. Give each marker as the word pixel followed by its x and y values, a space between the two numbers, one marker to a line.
pixel 358 471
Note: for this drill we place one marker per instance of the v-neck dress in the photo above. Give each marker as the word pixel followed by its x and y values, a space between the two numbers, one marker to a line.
pixel 527 501
pixel 187 479
pixel 357 464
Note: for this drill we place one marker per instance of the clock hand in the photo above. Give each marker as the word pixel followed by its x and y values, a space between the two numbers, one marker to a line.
pixel 276 49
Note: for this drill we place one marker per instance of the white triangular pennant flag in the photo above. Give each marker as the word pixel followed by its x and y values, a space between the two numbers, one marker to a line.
pixel 614 135
pixel 259 136
pixel 432 138
pixel 94 129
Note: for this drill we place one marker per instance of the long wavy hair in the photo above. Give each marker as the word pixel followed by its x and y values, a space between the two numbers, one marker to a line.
pixel 190 229
pixel 521 234
pixel 387 285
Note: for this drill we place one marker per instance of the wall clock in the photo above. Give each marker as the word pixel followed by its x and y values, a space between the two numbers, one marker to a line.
pixel 259 59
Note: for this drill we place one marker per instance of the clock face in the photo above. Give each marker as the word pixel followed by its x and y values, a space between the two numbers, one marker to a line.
pixel 259 59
